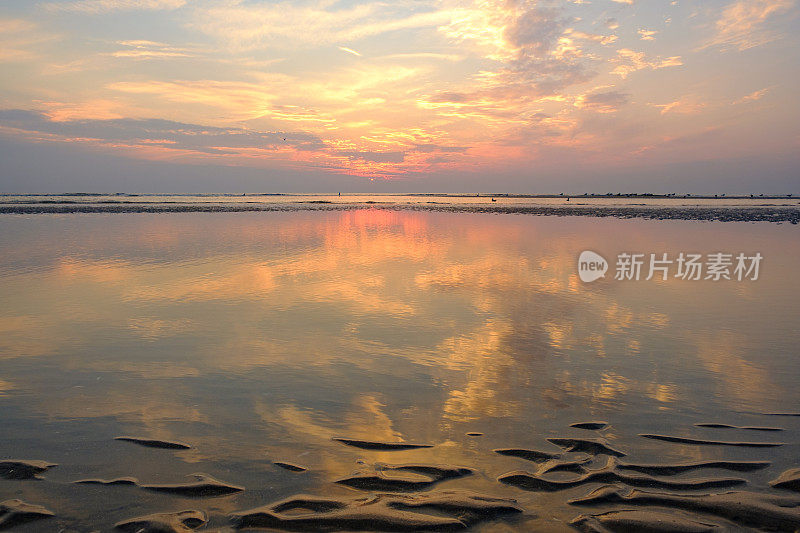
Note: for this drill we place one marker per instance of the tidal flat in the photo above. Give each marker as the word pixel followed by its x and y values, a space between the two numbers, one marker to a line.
pixel 380 369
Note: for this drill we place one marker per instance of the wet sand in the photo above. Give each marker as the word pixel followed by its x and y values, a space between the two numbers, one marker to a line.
pixel 789 212
pixel 407 496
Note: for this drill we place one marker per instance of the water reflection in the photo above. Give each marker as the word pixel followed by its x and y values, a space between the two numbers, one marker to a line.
pixel 258 337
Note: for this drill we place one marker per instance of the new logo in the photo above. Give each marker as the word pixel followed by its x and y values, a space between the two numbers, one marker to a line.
pixel 591 266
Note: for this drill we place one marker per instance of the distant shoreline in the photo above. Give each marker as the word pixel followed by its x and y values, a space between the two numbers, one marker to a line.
pixel 762 213
pixel 434 194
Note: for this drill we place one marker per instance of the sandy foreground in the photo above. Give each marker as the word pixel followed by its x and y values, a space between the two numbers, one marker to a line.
pixel 406 496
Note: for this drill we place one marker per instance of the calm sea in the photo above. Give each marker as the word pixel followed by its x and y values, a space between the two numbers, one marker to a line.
pixel 259 337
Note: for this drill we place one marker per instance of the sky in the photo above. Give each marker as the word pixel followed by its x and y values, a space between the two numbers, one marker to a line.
pixel 572 96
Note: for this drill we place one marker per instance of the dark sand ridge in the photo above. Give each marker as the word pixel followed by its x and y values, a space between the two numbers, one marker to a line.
pixel 609 474
pixel 529 455
pixel 789 480
pixel 290 466
pixel 179 522
pixel 643 522
pixel 772 213
pixel 202 486
pixel 16 512
pixel 554 462
pixel 575 465
pixel 593 426
pixel 379 512
pixel 727 426
pixel 438 472
pixel 422 477
pixel 377 445
pixel 154 443
pixel 115 481
pixel 674 469
pixel 705 442
pixel 381 482
pixel 596 446
pixel 776 513
pixel 23 469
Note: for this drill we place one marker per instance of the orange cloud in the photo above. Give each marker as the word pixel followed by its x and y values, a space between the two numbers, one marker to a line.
pixel 752 97
pixel 90 110
pixel 647 35
pixel 682 106
pixel 604 102
pixel 21 39
pixel 743 24
pixel 629 61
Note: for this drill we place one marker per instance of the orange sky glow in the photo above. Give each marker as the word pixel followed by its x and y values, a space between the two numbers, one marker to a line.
pixel 538 94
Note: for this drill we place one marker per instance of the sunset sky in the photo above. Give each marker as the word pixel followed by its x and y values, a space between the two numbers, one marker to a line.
pixel 408 95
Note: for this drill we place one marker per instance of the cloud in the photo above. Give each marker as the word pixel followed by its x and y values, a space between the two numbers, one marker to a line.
pixel 339 97
pixel 140 49
pixel 349 50
pixel 511 91
pixel 507 30
pixel 150 133
pixel 605 102
pixel 647 35
pixel 164 139
pixel 602 39
pixel 244 25
pixel 424 55
pixel 683 106
pixel 752 97
pixel 241 100
pixel 535 31
pixel 544 77
pixel 20 40
pixel 744 24
pixel 629 61
pixel 375 157
pixel 430 147
pixel 98 109
pixel 484 25
pixel 106 6
pixel 539 54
